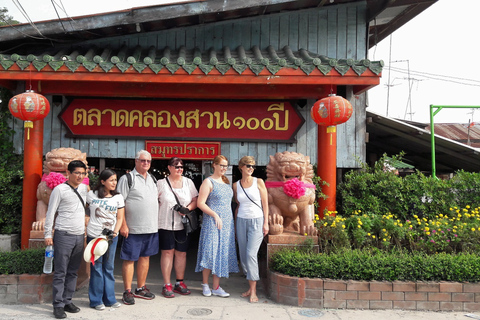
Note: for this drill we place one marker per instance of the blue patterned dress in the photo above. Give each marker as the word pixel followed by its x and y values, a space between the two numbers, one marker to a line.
pixel 216 248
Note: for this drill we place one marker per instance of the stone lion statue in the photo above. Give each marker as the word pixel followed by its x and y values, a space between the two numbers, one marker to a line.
pixel 56 162
pixel 291 193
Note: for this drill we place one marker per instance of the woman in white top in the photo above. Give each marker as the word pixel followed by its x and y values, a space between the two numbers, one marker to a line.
pixel 251 221
pixel 172 237
pixel 107 211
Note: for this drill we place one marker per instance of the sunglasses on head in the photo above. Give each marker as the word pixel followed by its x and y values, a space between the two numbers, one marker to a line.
pixel 250 166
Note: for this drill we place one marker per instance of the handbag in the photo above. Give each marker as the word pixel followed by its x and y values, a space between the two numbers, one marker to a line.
pixel 190 219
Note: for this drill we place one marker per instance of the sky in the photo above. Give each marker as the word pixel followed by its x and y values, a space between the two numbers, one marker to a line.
pixel 434 57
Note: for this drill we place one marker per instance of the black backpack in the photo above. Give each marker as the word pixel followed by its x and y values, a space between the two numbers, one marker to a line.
pixel 130 179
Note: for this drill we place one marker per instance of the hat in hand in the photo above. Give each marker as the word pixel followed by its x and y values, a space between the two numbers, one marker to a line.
pixel 95 249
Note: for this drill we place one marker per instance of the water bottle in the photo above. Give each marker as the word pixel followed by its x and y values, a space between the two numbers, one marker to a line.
pixel 48 265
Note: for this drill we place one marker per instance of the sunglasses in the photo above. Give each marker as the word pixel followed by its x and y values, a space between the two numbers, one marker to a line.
pixel 144 160
pixel 178 167
pixel 250 166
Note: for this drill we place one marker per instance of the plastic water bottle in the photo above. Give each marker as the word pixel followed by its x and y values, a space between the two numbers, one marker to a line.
pixel 48 265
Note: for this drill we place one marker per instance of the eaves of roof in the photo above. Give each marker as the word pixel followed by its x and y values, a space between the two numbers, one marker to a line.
pixel 153 64
pixel 385 17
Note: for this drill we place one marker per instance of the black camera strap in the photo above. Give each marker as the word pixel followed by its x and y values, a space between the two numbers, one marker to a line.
pixel 240 182
pixel 78 194
pixel 168 181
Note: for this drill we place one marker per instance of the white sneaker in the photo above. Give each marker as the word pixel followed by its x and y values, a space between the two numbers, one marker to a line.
pixel 206 290
pixel 116 305
pixel 100 307
pixel 220 292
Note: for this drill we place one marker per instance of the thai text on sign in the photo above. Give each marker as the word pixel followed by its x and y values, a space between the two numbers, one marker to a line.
pixel 185 149
pixel 202 120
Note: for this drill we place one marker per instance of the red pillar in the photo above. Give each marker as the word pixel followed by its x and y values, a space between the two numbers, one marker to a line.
pixel 327 166
pixel 32 168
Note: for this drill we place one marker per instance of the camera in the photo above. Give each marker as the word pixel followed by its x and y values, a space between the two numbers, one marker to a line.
pixel 181 209
pixel 108 233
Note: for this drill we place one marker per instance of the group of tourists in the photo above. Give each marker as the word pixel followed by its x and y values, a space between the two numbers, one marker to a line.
pixel 148 214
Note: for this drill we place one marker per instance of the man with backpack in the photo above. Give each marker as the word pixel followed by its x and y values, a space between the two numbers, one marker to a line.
pixel 140 226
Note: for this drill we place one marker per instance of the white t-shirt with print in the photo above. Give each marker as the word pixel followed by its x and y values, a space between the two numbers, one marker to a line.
pixel 103 213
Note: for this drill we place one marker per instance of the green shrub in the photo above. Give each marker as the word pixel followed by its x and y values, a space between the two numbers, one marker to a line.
pixel 11 173
pixel 379 265
pixel 22 261
pixel 379 191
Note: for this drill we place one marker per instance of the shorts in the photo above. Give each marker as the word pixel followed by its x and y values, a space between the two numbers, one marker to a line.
pixel 170 239
pixel 139 245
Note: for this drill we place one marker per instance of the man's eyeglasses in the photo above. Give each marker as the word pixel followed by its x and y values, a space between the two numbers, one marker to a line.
pixel 250 166
pixel 178 167
pixel 144 160
pixel 77 173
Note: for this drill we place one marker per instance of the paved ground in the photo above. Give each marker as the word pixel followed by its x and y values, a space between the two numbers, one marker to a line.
pixel 196 306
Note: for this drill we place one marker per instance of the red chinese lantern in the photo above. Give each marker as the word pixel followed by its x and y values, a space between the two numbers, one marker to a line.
pixel 331 110
pixel 29 106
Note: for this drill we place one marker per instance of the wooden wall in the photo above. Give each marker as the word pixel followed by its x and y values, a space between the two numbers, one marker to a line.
pixel 338 32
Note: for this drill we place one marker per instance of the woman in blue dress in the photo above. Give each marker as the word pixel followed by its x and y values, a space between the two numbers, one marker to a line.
pixel 216 249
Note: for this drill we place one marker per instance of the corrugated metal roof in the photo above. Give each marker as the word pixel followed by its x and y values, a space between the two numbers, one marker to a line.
pixel 388 135
pixel 142 59
pixel 459 132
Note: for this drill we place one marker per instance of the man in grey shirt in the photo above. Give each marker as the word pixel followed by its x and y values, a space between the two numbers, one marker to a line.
pixel 69 236
pixel 140 226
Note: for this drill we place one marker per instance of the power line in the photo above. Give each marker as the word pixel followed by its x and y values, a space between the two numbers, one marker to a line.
pixel 59 19
pixel 25 14
pixel 432 76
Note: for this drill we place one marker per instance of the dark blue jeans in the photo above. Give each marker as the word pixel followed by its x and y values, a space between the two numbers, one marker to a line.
pixel 102 281
pixel 68 254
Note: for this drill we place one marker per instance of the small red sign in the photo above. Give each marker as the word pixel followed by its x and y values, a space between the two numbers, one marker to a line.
pixel 191 150
pixel 183 120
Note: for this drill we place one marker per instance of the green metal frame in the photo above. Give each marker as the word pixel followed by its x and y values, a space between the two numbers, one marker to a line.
pixel 432 128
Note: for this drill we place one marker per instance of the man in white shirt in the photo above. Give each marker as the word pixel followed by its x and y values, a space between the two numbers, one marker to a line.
pixel 67 201
pixel 140 227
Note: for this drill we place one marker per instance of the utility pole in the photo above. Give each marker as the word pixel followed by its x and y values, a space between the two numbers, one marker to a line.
pixel 389 72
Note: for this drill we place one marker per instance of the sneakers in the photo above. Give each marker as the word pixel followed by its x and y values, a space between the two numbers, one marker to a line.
pixel 116 305
pixel 181 288
pixel 167 291
pixel 143 293
pixel 206 290
pixel 220 292
pixel 128 297
pixel 100 307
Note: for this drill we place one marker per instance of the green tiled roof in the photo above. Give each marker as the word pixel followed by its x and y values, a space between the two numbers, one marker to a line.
pixel 141 58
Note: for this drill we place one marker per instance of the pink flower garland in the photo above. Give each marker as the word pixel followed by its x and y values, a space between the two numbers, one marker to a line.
pixel 293 188
pixel 53 179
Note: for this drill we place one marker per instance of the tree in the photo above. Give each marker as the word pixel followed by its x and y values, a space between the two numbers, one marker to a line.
pixel 5 18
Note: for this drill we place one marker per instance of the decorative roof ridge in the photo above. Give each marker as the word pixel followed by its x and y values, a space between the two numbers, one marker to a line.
pixel 140 59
